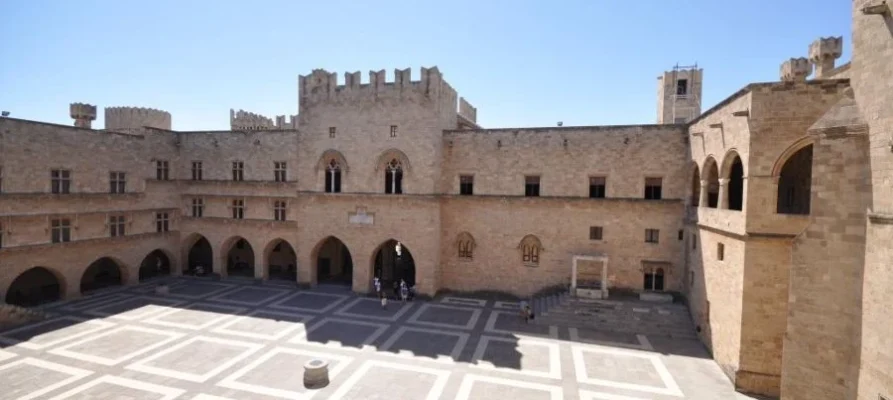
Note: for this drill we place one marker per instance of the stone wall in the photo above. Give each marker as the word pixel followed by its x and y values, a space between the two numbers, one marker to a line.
pixel 872 75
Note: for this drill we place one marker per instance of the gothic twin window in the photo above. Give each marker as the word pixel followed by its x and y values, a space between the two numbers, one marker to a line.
pixel 465 244
pixel 393 178
pixel 530 250
pixel 333 177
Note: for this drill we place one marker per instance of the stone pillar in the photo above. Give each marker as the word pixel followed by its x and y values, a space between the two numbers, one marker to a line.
pixel 605 278
pixel 260 265
pixel 702 202
pixel 823 52
pixel 574 276
pixel 795 69
pixel 723 194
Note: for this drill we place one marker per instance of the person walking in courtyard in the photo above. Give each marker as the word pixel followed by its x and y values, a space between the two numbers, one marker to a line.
pixel 377 283
pixel 404 290
pixel 526 312
pixel 384 301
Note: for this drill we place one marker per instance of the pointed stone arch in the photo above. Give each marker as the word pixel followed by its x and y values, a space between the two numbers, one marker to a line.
pixel 239 257
pixel 531 247
pixel 36 285
pixel 326 158
pixel 465 245
pixel 732 177
pixel 695 193
pixel 392 154
pixel 280 260
pixel 710 174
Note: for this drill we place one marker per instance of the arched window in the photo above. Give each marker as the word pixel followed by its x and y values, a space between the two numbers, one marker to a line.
pixel 530 250
pixel 795 183
pixel 393 177
pixel 465 244
pixel 333 177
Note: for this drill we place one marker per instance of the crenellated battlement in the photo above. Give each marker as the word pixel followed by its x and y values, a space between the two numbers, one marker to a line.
pixel 83 114
pixel 467 111
pixel 323 86
pixel 136 117
pixel 795 69
pixel 244 120
pixel 823 52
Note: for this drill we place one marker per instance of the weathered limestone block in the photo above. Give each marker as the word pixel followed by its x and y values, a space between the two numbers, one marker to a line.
pixel 316 374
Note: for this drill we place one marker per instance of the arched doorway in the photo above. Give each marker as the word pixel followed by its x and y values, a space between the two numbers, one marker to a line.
pixel 795 183
pixel 155 264
pixel 102 273
pixel 240 258
pixel 333 262
pixel 35 286
pixel 282 261
pixel 711 174
pixel 394 262
pixel 200 254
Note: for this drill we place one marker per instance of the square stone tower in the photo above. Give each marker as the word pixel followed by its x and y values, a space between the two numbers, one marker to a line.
pixel 679 95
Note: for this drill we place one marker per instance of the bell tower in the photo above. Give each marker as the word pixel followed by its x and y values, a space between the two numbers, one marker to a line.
pixel 679 94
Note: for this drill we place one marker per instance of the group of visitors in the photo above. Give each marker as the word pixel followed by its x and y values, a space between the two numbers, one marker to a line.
pixel 401 291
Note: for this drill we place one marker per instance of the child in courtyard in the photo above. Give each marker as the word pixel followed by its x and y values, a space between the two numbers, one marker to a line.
pixel 404 291
pixel 384 301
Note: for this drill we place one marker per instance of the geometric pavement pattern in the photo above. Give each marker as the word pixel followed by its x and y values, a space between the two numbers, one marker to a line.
pixel 237 339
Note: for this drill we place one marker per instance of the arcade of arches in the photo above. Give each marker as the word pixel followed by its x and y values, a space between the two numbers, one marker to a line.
pixel 154 265
pixel 102 273
pixel 240 259
pixel 35 286
pixel 282 261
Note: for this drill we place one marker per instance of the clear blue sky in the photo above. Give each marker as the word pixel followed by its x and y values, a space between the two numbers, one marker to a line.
pixel 522 63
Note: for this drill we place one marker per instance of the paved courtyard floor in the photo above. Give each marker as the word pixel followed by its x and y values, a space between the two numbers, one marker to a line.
pixel 212 340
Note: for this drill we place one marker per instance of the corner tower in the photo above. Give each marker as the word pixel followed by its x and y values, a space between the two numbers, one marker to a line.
pixel 679 94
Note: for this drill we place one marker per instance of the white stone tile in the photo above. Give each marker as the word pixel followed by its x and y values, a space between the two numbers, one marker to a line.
pixel 232 381
pixel 281 329
pixel 644 343
pixel 590 395
pixel 5 355
pixel 166 392
pixel 165 337
pixel 670 387
pixel 343 311
pixel 380 328
pixel 463 301
pixel 441 377
pixel 553 358
pixel 472 320
pixel 54 337
pixel 490 326
pixel 142 366
pixel 202 396
pixel 198 309
pixel 461 341
pixel 75 375
pixel 464 392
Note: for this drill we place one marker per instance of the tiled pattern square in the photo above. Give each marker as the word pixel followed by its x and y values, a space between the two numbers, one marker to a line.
pixel 440 316
pixel 113 387
pixel 341 333
pixel 309 302
pixel 197 359
pixel 52 332
pixel 280 373
pixel 250 295
pixel 30 378
pixel 265 325
pixel 195 316
pixel 427 383
pixel 117 345
pixel 623 369
pixel 439 345
pixel 481 387
pixel 368 308
pixel 518 355
pixel 133 308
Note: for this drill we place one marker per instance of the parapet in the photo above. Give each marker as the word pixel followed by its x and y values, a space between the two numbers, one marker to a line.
pixel 467 111
pixel 823 52
pixel 136 117
pixel 795 69
pixel 321 85
pixel 243 120
pixel 83 114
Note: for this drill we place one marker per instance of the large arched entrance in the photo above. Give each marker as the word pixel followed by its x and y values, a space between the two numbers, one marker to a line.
pixel 35 286
pixel 394 262
pixel 282 261
pixel 240 258
pixel 200 254
pixel 736 185
pixel 155 264
pixel 102 273
pixel 333 262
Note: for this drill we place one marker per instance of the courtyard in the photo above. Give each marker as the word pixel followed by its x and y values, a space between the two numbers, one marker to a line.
pixel 235 339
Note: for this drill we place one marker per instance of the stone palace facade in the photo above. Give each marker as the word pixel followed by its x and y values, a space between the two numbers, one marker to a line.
pixel 770 214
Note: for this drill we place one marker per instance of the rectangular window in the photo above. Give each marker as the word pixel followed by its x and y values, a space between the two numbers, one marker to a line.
pixel 393 130
pixel 720 251
pixel 198 208
pixel 333 180
pixel 60 181
pixel 694 242
pixel 653 188
pixel 279 210
pixel 60 230
pixel 466 185
pixel 238 171
pixel 652 235
pixel 596 187
pixel 682 87
pixel 531 186
pixel 331 131
pixel 196 170
pixel 162 170
pixel 238 209
pixel 595 233
pixel 279 171
pixel 162 222
pixel 116 225
pixel 117 182
pixel 681 235
pixel 654 278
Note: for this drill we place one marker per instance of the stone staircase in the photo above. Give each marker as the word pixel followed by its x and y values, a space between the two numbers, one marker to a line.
pixel 626 316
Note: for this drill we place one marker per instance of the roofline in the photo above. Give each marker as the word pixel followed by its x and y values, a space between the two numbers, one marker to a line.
pixel 749 88
pixel 566 128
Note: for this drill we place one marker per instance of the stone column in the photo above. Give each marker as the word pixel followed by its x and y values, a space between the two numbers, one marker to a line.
pixel 260 265
pixel 702 202
pixel 605 278
pixel 574 276
pixel 723 194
